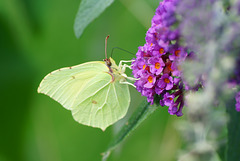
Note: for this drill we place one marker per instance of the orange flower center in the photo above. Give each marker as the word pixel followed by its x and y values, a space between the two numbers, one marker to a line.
pixel 151 44
pixel 171 98
pixel 166 80
pixel 161 50
pixel 156 36
pixel 144 66
pixel 157 65
pixel 150 79
pixel 177 52
pixel 147 68
pixel 169 67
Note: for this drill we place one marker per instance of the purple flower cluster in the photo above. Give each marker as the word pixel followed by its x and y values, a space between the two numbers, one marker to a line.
pixel 157 63
pixel 157 66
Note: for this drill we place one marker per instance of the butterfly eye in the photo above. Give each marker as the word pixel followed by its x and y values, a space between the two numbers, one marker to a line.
pixel 108 62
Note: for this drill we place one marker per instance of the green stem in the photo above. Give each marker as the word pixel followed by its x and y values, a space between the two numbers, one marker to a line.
pixel 142 112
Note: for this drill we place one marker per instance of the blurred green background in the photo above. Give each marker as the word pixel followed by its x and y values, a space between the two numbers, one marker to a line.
pixel 37 37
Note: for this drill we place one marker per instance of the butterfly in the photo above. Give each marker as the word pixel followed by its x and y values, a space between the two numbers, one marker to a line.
pixel 96 92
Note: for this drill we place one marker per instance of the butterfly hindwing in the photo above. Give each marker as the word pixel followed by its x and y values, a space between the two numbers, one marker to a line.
pixel 105 106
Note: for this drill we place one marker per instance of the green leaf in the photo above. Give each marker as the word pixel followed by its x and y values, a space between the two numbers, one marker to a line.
pixel 233 151
pixel 87 12
pixel 142 112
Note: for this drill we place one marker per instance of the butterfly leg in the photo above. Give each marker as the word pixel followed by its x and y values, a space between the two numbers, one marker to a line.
pixel 124 61
pixel 129 78
pixel 123 67
pixel 132 79
pixel 125 82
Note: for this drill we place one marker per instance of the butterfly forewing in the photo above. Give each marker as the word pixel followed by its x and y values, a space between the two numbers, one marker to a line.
pixel 65 84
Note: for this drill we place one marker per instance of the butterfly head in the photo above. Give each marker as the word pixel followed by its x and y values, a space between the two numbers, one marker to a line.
pixel 107 62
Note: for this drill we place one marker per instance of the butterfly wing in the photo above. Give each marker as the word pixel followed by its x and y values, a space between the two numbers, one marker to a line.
pixel 90 92
pixel 105 106
pixel 65 84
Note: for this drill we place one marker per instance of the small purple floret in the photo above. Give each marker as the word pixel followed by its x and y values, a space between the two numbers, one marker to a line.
pixel 168 99
pixel 166 82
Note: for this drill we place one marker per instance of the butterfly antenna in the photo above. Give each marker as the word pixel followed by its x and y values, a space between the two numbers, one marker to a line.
pixel 106 46
pixel 122 50
pixel 107 61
